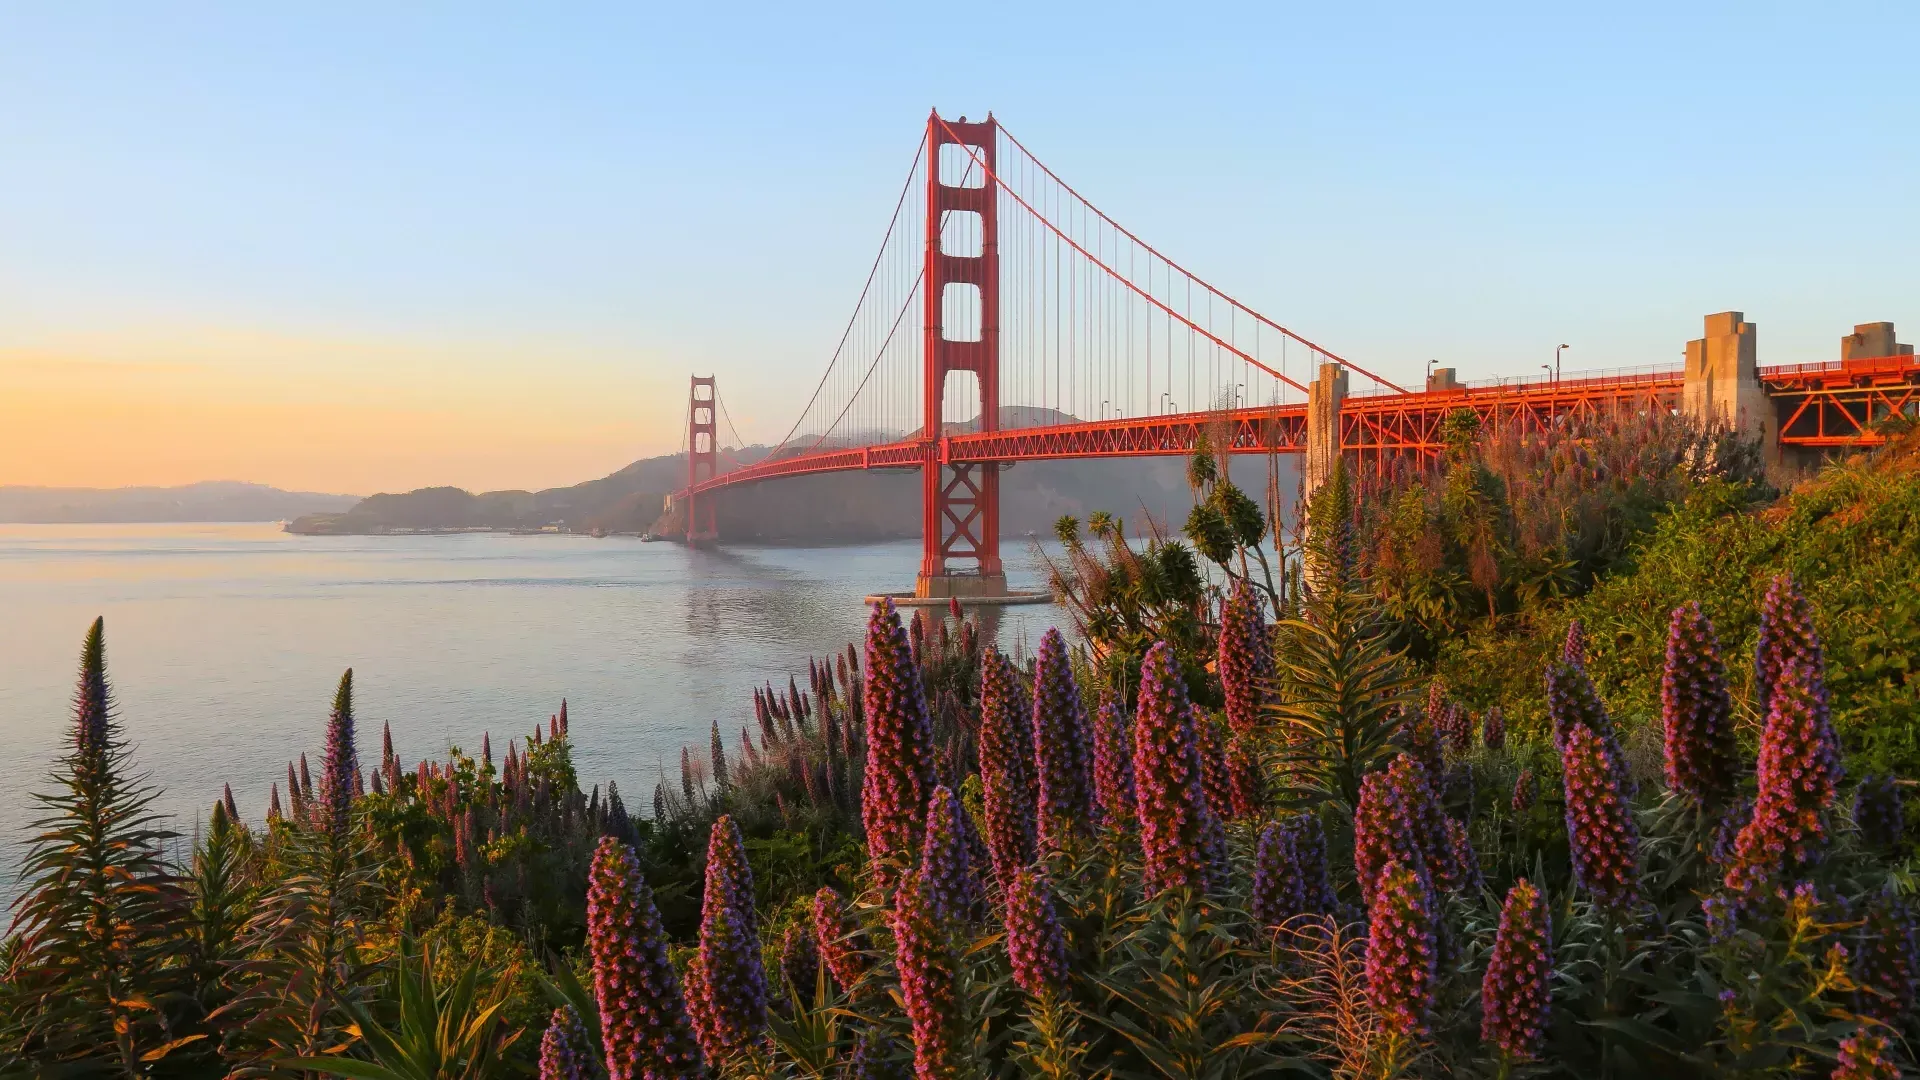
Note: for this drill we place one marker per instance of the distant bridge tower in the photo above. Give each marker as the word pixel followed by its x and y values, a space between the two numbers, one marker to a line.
pixel 960 503
pixel 703 460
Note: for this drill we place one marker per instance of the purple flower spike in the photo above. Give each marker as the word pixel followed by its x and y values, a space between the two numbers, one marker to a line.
pixel 899 774
pixel 1877 812
pixel 1696 710
pixel 800 960
pixel 1214 777
pixel 336 776
pixel 944 861
pixel 1523 792
pixel 1600 830
pixel 1310 857
pixel 1864 1056
pixel 731 1010
pixel 1279 893
pixel 1402 955
pixel 1493 729
pixel 565 1053
pixel 1175 825
pixel 1246 781
pixel 1514 994
pixel 1571 699
pixel 928 958
pixel 1466 862
pixel 1006 769
pixel 1455 727
pixel 1420 735
pixel 1035 944
pixel 1888 965
pixel 1061 759
pixel 839 946
pixel 1397 821
pixel 1113 762
pixel 1787 639
pixel 1799 776
pixel 1245 660
pixel 1574 651
pixel 644 1028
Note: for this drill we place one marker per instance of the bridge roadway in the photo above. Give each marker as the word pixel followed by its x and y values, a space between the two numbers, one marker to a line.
pixel 1820 406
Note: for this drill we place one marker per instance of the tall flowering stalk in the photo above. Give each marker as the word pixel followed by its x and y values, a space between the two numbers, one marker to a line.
pixel 1877 812
pixel 1310 858
pixel 1574 649
pixel 341 762
pixel 1887 968
pixel 566 1052
pixel 644 1028
pixel 927 954
pixel 1279 893
pixel 1402 950
pixel 1522 792
pixel 1246 780
pixel 1600 829
pixel 1572 700
pixel 833 932
pixel 1399 819
pixel 1493 729
pixel 1514 994
pixel 1061 759
pixel 1465 861
pixel 730 988
pixel 800 960
pixel 1215 779
pixel 1113 762
pixel 1786 639
pixel 899 774
pixel 1245 660
pixel 1799 777
pixel 1175 823
pixel 944 858
pixel 1035 944
pixel 1006 769
pixel 1696 710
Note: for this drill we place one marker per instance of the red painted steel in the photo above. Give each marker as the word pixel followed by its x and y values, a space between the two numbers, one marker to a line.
pixel 703 459
pixel 1822 405
pixel 960 501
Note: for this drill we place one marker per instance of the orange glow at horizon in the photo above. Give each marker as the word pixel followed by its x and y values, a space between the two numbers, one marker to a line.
pixel 311 414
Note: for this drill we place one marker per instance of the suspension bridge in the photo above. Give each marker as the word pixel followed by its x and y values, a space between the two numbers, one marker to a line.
pixel 1006 318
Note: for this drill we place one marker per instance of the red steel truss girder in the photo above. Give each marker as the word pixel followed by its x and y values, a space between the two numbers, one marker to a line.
pixel 1392 423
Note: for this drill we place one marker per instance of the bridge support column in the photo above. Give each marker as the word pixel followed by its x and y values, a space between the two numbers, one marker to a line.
pixel 960 503
pixel 703 460
pixel 1325 396
pixel 1722 382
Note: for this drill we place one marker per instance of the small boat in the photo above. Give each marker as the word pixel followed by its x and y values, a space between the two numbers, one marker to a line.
pixel 648 538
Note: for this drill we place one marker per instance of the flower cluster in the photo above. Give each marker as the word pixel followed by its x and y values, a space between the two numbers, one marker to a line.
pixel 800 960
pixel 1310 859
pixel 727 984
pixel 1514 992
pixel 1402 950
pixel 1035 944
pixel 1279 893
pixel 1113 761
pixel 1395 823
pixel 1465 861
pixel 834 934
pixel 644 1028
pixel 1060 745
pixel 1574 650
pixel 1877 812
pixel 565 1050
pixel 1571 699
pixel 1863 1056
pixel 1246 780
pixel 1493 729
pixel 927 955
pixel 341 765
pixel 1214 777
pixel 1175 822
pixel 1523 792
pixel 1799 776
pixel 1786 640
pixel 1006 768
pixel 1600 830
pixel 1455 727
pixel 1245 660
pixel 1696 710
pixel 1421 737
pixel 944 860
pixel 899 774
pixel 1889 959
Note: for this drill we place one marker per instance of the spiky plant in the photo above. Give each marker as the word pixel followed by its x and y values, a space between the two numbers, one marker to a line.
pixel 1062 764
pixel 1799 775
pixel 799 961
pixel 1035 944
pixel 1787 639
pixel 1279 893
pixel 1113 762
pixel 93 925
pixel 840 947
pixel 565 1053
pixel 1695 709
pixel 645 1030
pixel 899 774
pixel 1245 659
pixel 1175 821
pixel 1514 995
pixel 728 985
pixel 1339 682
pixel 221 889
pixel 1006 769
pixel 1402 950
pixel 1600 828
pixel 928 958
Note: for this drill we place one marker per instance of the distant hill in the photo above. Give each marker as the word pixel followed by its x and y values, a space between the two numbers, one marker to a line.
pixel 218 500
pixel 848 507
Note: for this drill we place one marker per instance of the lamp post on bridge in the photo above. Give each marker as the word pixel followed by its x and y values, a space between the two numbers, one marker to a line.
pixel 1556 363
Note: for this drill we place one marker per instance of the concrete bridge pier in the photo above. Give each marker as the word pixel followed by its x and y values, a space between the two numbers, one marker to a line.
pixel 1325 396
pixel 1722 382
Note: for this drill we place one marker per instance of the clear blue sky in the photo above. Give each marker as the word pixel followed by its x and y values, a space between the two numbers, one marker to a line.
pixel 509 233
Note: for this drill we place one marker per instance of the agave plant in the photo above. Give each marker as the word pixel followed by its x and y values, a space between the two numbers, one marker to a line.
pixel 455 1033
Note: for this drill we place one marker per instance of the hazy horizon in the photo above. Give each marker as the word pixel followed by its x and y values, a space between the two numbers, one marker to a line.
pixel 362 250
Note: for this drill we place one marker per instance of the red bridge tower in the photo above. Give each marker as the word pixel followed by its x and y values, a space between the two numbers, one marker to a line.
pixel 960 502
pixel 703 460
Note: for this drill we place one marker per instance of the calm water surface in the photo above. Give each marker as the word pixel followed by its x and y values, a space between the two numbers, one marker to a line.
pixel 224 643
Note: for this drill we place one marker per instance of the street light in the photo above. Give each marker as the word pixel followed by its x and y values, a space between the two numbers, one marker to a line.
pixel 1556 362
pixel 1430 364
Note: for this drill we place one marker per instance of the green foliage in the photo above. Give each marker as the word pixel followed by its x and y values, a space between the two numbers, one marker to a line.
pixel 1123 599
